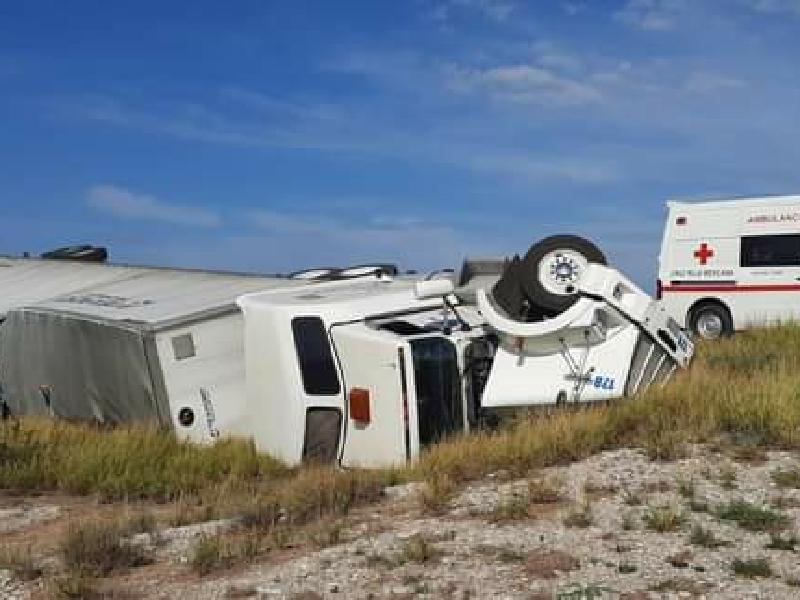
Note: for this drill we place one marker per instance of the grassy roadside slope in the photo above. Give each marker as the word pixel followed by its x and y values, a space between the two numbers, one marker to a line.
pixel 745 390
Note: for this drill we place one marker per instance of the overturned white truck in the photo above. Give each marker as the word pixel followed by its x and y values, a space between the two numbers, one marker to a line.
pixel 369 371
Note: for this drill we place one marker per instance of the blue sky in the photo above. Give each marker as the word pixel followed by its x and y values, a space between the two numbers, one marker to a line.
pixel 275 135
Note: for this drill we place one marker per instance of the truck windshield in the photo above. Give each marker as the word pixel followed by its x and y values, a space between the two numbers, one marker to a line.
pixel 438 388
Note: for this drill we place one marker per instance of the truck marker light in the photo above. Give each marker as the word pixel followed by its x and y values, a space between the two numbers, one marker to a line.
pixel 359 405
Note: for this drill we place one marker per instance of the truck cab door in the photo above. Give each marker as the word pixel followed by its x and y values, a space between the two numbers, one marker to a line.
pixel 374 367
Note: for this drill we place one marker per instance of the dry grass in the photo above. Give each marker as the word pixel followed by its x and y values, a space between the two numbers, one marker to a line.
pixel 742 388
pixel 545 490
pixel 514 507
pixel 663 519
pixel 436 493
pixel 418 549
pixel 706 538
pixel 99 548
pixel 122 463
pixel 739 391
pixel 778 542
pixel 579 516
pixel 21 561
pixel 547 564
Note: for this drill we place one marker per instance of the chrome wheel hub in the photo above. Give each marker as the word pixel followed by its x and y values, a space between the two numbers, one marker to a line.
pixel 709 326
pixel 561 270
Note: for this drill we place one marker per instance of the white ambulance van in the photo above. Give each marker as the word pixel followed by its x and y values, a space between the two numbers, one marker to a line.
pixel 726 265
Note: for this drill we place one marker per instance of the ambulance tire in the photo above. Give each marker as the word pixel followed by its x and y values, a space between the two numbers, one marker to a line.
pixel 546 291
pixel 710 321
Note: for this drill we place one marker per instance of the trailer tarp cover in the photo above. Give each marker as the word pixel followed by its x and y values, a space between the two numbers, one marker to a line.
pixel 55 363
pixel 24 281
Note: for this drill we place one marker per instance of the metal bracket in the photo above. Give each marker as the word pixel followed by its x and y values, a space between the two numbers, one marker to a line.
pixel 578 372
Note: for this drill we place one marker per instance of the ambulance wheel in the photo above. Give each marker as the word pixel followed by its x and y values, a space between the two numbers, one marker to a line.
pixel 710 321
pixel 553 268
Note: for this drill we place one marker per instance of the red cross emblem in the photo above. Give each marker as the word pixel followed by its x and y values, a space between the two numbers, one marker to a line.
pixel 704 253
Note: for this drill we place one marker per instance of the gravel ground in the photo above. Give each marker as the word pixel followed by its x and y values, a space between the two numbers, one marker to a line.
pixel 477 550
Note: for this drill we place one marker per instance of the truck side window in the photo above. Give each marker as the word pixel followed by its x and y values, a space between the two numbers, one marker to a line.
pixel 314 355
pixel 770 251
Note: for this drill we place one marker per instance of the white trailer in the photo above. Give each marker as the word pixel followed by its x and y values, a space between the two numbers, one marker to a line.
pixel 157 345
pixel 729 264
pixel 27 280
pixel 369 372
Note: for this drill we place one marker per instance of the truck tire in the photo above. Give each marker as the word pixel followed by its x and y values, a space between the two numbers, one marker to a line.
pixel 552 269
pixel 710 321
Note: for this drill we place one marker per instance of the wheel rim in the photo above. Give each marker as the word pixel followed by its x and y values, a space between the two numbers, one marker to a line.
pixel 560 271
pixel 709 325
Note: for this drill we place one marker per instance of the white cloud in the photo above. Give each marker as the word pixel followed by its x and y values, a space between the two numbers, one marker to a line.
pixel 125 204
pixel 498 10
pixel 651 15
pixel 279 222
pixel 578 170
pixel 573 8
pixel 426 146
pixel 524 84
pixel 204 124
pixel 774 6
pixel 320 239
pixel 704 82
pixel 549 56
pixel 271 105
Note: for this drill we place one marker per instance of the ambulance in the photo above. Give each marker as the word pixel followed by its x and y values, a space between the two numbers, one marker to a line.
pixel 730 264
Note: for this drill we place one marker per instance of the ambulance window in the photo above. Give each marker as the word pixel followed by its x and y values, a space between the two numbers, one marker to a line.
pixel 314 355
pixel 770 251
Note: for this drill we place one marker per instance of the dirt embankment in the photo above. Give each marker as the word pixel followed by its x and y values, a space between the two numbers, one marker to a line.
pixel 715 524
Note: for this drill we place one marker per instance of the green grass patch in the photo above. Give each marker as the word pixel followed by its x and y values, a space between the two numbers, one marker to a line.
pixel 122 463
pixel 752 517
pixel 755 567
pixel 787 478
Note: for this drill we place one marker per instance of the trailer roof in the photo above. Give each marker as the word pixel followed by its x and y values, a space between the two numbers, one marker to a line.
pixel 151 298
pixel 736 201
pixel 28 280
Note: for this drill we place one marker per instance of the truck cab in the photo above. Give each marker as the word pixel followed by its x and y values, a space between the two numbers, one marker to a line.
pixel 356 372
pixel 369 371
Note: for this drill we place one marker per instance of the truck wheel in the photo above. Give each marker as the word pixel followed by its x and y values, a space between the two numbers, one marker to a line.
pixel 553 268
pixel 710 321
